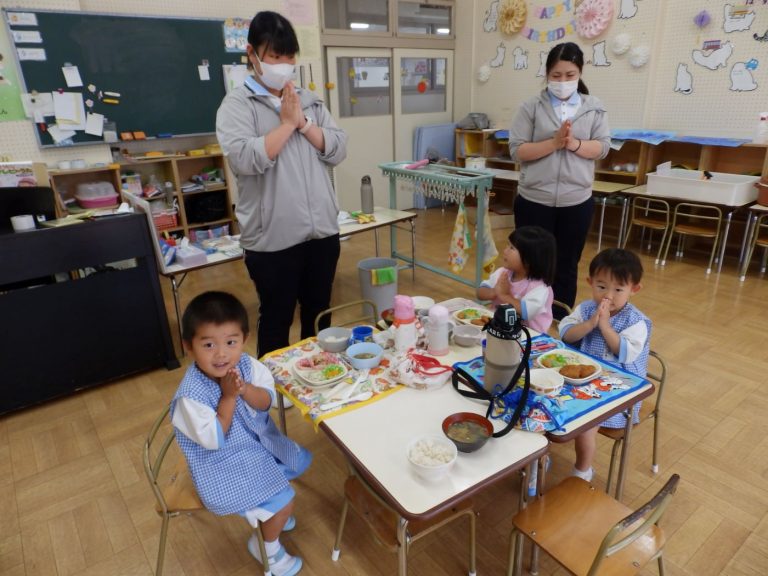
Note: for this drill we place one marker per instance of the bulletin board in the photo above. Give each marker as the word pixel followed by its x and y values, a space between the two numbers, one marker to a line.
pixel 151 63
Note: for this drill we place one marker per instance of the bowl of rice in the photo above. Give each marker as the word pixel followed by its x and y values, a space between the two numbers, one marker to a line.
pixel 431 457
pixel 334 339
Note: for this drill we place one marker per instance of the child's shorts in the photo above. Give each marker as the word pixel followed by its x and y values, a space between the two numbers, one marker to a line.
pixel 270 507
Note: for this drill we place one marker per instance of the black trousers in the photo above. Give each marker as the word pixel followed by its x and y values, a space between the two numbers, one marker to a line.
pixel 570 226
pixel 303 273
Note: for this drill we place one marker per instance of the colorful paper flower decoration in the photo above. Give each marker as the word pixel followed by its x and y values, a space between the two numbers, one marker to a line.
pixel 512 16
pixel 593 17
pixel 702 19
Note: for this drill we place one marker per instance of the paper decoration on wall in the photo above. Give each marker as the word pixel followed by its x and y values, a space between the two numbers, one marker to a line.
pixel 547 12
pixel 684 80
pixel 621 43
pixel 484 73
pixel 627 9
pixel 702 19
pixel 741 78
pixel 549 35
pixel 593 17
pixel 711 45
pixel 714 59
pixel 737 20
pixel 520 57
pixel 542 72
pixel 598 55
pixel 491 17
pixel 498 60
pixel 763 38
pixel 639 56
pixel 512 16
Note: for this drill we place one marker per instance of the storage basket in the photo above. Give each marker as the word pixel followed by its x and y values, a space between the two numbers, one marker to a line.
pixel 166 219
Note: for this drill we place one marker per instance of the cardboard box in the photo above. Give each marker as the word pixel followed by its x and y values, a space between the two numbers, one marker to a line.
pixel 15 174
pixel 722 188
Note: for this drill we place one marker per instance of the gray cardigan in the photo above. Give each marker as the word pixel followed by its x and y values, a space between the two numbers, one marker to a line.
pixel 561 178
pixel 288 200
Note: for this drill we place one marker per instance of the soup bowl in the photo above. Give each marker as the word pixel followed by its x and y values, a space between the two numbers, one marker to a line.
pixel 364 355
pixel 467 430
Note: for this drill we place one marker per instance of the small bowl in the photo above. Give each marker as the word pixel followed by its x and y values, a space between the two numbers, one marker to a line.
pixel 364 348
pixel 334 339
pixel 467 335
pixel 546 381
pixel 464 417
pixel 431 457
pixel 388 316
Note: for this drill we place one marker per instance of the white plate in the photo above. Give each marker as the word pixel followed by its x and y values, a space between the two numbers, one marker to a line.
pixel 313 378
pixel 570 357
pixel 467 314
pixel 422 302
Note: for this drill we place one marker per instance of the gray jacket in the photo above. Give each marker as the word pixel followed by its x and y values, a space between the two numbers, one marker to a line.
pixel 561 178
pixel 288 200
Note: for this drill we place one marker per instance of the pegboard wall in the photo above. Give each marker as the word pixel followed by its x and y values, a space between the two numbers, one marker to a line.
pixel 681 86
pixel 17 138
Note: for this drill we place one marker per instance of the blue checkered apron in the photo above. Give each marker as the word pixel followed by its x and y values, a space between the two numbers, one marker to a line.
pixel 244 472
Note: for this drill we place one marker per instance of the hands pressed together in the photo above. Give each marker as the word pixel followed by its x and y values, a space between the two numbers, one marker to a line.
pixel 564 139
pixel 290 110
pixel 232 384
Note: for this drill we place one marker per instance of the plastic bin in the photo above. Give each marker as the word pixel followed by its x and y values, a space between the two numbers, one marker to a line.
pixel 383 295
pixel 722 188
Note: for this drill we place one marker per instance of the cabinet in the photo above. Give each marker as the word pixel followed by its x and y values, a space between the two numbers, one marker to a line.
pixel 208 207
pixel 484 144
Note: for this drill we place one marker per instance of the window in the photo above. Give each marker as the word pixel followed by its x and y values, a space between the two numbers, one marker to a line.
pixel 357 15
pixel 423 85
pixel 424 19
pixel 419 18
pixel 364 86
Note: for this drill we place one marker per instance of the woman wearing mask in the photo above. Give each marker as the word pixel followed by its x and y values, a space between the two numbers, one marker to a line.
pixel 279 141
pixel 556 137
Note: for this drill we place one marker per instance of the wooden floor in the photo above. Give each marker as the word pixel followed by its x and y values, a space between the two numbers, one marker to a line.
pixel 74 499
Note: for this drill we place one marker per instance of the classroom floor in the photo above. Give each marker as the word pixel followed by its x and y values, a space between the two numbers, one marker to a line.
pixel 74 500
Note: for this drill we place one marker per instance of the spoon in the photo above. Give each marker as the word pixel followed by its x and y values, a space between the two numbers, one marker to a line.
pixel 338 403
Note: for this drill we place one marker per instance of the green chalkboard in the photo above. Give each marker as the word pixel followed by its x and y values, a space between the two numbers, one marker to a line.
pixel 151 62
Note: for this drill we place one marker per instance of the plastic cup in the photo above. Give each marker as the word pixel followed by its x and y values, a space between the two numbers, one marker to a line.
pixel 362 334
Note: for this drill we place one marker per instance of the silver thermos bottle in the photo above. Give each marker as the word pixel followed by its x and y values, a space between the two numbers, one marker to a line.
pixel 366 195
pixel 503 351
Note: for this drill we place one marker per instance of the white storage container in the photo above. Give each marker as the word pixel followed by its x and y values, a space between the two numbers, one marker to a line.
pixel 722 188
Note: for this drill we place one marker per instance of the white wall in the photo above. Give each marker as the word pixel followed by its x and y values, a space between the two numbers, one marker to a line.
pixel 635 97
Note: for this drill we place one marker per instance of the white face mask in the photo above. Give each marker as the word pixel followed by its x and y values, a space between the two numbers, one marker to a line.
pixel 563 90
pixel 276 76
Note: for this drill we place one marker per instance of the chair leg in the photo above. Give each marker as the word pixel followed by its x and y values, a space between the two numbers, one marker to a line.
pixel 161 546
pixel 666 249
pixel 515 561
pixel 661 247
pixel 337 544
pixel 262 550
pixel 614 451
pixel 714 251
pixel 661 565
pixel 655 463
pixel 402 547
pixel 472 544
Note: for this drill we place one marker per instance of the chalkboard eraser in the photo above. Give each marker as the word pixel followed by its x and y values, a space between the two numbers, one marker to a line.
pixel 139 135
pixel 126 135
pixel 165 135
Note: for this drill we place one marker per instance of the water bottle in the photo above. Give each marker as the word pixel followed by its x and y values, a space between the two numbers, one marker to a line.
pixel 503 351
pixel 366 195
pixel 761 135
pixel 437 331
pixel 404 325
pixel 169 195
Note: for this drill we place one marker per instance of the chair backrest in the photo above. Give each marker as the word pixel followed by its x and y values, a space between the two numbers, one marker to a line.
pixel 638 523
pixel 697 219
pixel 556 323
pixel 178 493
pixel 647 209
pixel 369 315
pixel 659 375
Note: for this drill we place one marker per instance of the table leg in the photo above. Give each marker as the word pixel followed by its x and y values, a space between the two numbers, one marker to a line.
pixel 519 540
pixel 624 459
pixel 623 221
pixel 412 222
pixel 724 241
pixel 541 464
pixel 402 549
pixel 602 217
pixel 745 244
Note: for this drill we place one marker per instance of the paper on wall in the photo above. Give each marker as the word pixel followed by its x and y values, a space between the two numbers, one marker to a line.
pixel 27 36
pixel 69 110
pixel 94 124
pixel 37 54
pixel 37 106
pixel 58 134
pixel 234 76
pixel 72 76
pixel 22 18
pixel 203 72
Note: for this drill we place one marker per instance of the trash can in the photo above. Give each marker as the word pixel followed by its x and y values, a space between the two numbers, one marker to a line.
pixel 378 282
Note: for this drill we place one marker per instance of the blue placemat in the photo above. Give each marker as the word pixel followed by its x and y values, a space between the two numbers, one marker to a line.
pixel 572 401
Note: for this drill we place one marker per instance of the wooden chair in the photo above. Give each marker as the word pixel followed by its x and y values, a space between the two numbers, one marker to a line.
pixel 651 408
pixel 759 238
pixel 554 329
pixel 391 530
pixel 689 219
pixel 175 494
pixel 588 532
pixel 650 213
pixel 369 315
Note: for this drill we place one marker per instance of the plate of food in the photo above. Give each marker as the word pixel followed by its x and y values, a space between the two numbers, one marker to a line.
pixel 320 370
pixel 476 316
pixel 574 367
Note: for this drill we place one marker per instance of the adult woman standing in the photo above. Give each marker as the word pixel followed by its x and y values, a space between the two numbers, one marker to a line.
pixel 279 141
pixel 556 137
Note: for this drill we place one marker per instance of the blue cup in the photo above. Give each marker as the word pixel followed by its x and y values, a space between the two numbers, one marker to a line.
pixel 361 334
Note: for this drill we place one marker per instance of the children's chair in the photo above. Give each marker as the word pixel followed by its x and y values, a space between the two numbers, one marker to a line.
pixel 651 408
pixel 370 313
pixel 391 530
pixel 759 238
pixel 650 213
pixel 555 327
pixel 689 219
pixel 588 532
pixel 175 493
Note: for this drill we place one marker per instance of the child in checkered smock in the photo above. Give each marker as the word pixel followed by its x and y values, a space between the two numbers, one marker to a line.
pixel 609 327
pixel 239 461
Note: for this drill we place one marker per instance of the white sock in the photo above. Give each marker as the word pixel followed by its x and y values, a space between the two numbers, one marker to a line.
pixel 583 474
pixel 272 547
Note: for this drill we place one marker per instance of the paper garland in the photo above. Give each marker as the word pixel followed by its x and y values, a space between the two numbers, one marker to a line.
pixel 593 17
pixel 547 12
pixel 549 35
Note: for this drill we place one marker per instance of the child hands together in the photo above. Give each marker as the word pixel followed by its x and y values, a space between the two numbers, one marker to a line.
pixel 232 383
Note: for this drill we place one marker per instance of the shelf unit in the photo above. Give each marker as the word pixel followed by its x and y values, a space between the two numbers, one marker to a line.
pixel 65 182
pixel 482 143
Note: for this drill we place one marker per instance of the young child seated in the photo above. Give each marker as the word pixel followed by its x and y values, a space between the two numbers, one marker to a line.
pixel 609 327
pixel 525 280
pixel 239 461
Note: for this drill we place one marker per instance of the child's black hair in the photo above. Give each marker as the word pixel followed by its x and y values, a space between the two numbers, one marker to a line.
pixel 623 265
pixel 538 251
pixel 274 32
pixel 212 308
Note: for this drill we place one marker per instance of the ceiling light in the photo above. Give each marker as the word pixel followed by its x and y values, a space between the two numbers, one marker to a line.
pixel 443 30
pixel 359 25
